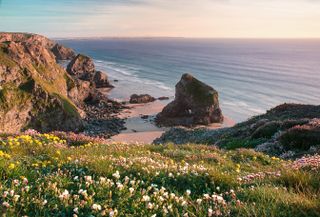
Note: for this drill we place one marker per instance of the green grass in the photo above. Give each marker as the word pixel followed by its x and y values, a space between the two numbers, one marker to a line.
pixel 11 96
pixel 5 60
pixel 152 179
pixel 68 106
pixel 233 143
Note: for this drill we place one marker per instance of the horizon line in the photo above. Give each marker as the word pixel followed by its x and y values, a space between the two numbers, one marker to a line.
pixel 163 37
pixel 181 37
pixel 178 37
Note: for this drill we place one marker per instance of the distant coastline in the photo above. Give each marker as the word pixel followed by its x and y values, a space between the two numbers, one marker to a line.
pixel 247 85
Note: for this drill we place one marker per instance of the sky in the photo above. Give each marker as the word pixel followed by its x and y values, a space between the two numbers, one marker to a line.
pixel 163 18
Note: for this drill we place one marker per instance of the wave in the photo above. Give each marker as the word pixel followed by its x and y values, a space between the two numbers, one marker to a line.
pixel 128 73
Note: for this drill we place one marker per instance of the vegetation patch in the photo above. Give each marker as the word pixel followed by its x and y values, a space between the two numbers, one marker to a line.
pixel 11 96
pixel 68 106
pixel 5 60
pixel 42 175
pixel 200 92
pixel 300 138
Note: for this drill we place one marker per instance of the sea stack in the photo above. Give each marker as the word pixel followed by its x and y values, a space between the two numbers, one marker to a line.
pixel 195 103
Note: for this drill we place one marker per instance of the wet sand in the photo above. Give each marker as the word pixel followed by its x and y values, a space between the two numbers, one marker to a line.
pixel 143 130
pixel 139 129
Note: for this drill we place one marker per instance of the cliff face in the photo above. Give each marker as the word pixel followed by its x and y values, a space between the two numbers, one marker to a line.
pixel 34 89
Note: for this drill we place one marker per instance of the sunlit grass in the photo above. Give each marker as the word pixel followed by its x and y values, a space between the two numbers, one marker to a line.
pixel 45 175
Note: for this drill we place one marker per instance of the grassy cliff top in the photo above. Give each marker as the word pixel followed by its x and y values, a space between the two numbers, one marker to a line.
pixel 50 176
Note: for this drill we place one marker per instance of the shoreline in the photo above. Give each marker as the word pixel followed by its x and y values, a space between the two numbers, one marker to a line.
pixel 140 126
pixel 134 123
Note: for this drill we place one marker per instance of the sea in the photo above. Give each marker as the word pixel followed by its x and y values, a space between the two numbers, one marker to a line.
pixel 251 75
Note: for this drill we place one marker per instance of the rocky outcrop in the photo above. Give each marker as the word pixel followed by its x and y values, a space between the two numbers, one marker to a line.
pixel 59 51
pixel 26 38
pixel 163 98
pixel 79 91
pixel 100 79
pixel 62 53
pixel 36 92
pixel 143 98
pixel 82 67
pixel 33 87
pixel 195 103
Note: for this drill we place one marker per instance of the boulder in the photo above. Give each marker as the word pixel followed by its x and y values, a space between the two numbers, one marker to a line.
pixel 195 103
pixel 143 98
pixel 100 79
pixel 163 98
pixel 63 53
pixel 81 67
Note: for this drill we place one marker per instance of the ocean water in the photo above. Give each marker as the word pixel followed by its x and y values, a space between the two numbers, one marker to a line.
pixel 251 76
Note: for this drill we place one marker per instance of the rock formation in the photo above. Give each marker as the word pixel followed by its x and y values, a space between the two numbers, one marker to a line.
pixel 194 103
pixel 100 79
pixel 82 67
pixel 62 53
pixel 143 98
pixel 163 98
pixel 34 89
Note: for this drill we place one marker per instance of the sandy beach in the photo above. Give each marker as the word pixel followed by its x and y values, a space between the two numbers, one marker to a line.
pixel 139 123
pixel 141 128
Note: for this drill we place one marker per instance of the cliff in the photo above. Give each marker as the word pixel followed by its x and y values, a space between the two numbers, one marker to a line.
pixel 34 89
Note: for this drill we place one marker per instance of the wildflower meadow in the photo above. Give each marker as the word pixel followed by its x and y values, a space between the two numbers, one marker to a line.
pixel 71 175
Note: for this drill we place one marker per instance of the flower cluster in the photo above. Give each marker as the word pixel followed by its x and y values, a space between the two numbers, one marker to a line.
pixel 260 176
pixel 312 162
pixel 78 139
pixel 31 141
pixel 48 175
pixel 85 194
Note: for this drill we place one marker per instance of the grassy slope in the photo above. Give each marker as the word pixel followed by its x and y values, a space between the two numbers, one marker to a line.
pixel 152 179
pixel 42 77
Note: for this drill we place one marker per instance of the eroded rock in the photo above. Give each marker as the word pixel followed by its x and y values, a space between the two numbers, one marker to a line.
pixel 82 67
pixel 100 79
pixel 195 103
pixel 62 53
pixel 143 98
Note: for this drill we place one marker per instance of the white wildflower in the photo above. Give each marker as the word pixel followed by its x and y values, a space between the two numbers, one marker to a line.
pixel 199 201
pixel 131 190
pixel 96 207
pixel 75 210
pixel 44 202
pixel 116 175
pixel 6 204
pixel 145 198
pixel 150 205
pixel 188 192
